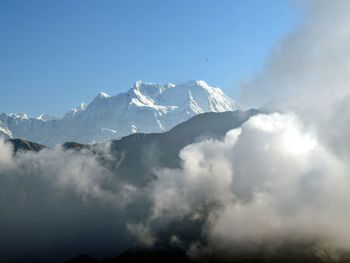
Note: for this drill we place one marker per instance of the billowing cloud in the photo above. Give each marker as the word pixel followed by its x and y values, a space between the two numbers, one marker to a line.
pixel 264 184
pixel 308 73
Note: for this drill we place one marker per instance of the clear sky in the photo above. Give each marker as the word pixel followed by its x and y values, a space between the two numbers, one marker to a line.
pixel 56 54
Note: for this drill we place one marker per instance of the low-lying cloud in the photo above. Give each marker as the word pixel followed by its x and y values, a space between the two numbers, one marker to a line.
pixel 264 185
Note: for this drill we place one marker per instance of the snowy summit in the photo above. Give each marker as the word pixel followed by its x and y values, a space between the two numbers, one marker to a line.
pixel 146 108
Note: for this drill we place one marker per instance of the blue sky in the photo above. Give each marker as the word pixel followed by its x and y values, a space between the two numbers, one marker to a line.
pixel 56 54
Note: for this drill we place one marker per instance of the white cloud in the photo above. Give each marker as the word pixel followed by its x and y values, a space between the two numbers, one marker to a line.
pixel 269 182
pixel 5 154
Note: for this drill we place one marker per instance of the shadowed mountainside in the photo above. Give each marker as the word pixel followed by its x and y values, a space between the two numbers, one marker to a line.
pixel 23 145
pixel 136 156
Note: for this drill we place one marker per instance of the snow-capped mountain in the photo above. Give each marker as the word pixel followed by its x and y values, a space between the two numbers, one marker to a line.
pixel 146 108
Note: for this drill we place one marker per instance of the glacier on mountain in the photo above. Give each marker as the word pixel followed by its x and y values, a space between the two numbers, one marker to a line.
pixel 145 108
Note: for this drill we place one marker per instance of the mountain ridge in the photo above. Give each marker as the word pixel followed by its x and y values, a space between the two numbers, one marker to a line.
pixel 132 153
pixel 146 107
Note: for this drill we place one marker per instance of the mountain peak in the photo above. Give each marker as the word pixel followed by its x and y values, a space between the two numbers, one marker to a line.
pixel 100 98
pixel 45 117
pixel 139 83
pixel 145 84
pixel 200 83
pixel 73 112
pixel 81 107
pixel 169 85
pixel 146 92
pixel 103 95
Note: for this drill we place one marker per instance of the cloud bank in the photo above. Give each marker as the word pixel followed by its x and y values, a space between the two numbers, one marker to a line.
pixel 264 186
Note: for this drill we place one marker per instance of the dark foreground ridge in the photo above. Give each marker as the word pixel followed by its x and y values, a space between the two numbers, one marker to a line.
pixel 23 145
pixel 139 153
pixel 205 125
pixel 300 255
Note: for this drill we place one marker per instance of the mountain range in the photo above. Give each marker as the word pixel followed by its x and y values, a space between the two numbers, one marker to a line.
pixel 145 108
